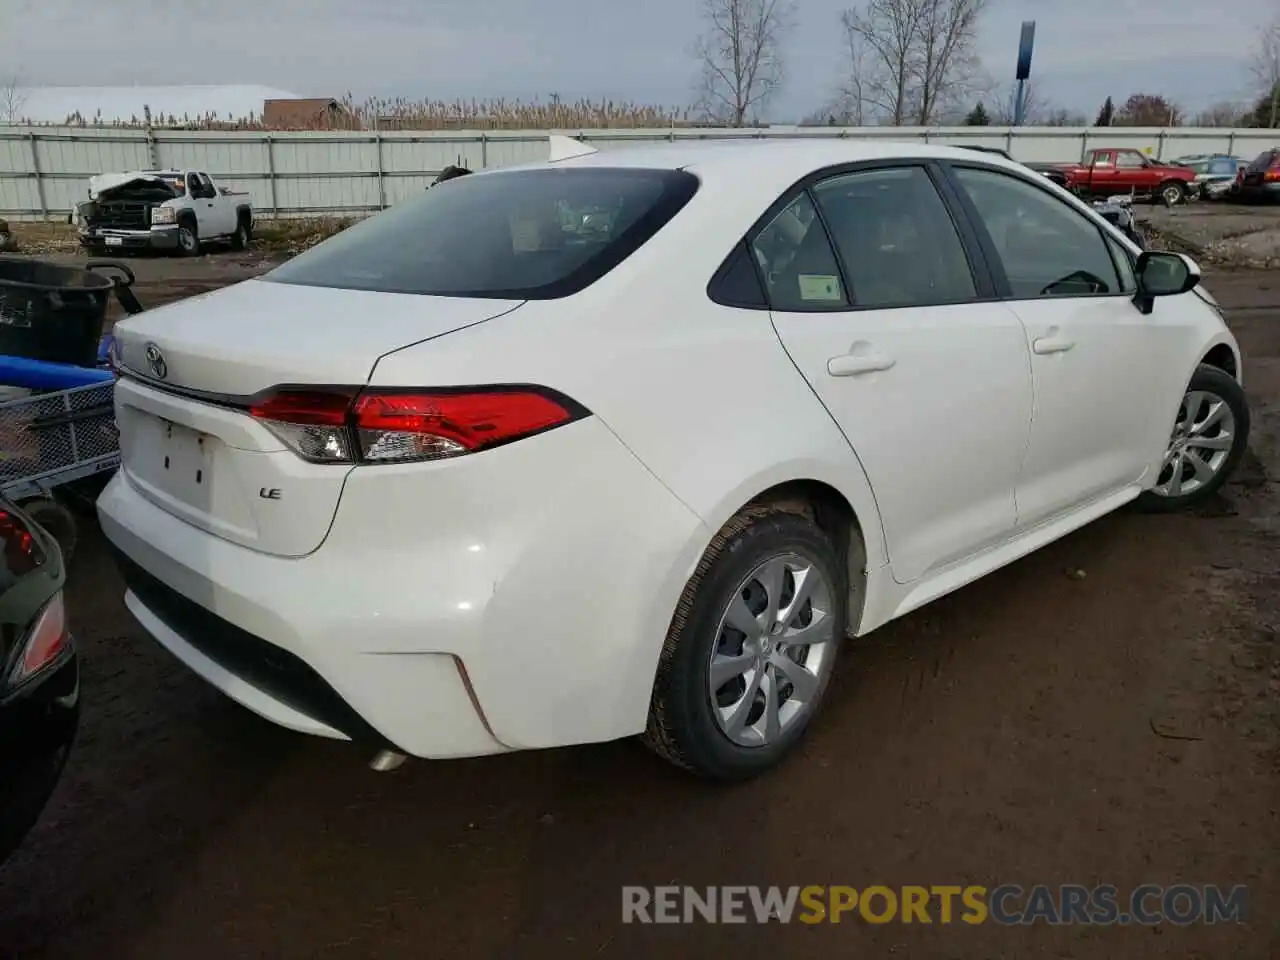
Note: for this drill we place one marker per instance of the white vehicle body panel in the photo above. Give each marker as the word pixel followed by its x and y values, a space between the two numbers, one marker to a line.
pixel 519 597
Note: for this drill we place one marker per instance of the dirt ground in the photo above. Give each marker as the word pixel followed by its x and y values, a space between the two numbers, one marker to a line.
pixel 1037 727
pixel 1242 234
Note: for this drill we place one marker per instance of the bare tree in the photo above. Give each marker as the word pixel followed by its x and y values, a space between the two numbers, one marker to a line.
pixel 1224 114
pixel 741 56
pixel 852 101
pixel 1266 67
pixel 917 56
pixel 1148 110
pixel 1033 108
pixel 12 99
pixel 888 33
pixel 1062 117
pixel 947 60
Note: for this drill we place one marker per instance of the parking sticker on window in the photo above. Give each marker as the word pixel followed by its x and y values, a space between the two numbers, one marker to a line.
pixel 817 286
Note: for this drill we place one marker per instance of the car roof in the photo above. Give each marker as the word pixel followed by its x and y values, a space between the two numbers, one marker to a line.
pixel 741 156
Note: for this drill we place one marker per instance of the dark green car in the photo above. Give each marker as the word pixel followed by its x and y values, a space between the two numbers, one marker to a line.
pixel 39 675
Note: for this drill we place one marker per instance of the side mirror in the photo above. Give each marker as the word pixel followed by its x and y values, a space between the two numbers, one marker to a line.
pixel 1163 275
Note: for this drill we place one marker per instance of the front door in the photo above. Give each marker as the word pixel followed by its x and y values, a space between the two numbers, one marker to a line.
pixel 880 308
pixel 1095 358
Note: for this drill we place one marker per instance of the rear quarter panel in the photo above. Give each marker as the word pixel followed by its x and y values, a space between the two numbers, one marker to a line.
pixel 703 394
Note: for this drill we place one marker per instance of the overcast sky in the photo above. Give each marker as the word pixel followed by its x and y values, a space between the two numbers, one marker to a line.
pixel 1190 50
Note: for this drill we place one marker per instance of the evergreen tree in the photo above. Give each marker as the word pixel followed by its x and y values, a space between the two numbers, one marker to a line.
pixel 1106 114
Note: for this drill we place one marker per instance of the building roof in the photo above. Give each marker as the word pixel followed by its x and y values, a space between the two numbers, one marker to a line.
pixel 126 104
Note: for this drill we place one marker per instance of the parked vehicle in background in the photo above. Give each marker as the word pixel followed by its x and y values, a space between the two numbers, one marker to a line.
pixel 39 675
pixel 1215 173
pixel 162 210
pixel 1108 171
pixel 496 439
pixel 1260 180
pixel 1118 211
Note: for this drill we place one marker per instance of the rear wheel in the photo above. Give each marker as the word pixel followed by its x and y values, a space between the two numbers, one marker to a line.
pixel 1209 437
pixel 751 646
pixel 240 239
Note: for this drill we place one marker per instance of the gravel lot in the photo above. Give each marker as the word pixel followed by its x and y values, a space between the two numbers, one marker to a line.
pixel 1036 727
pixel 1222 232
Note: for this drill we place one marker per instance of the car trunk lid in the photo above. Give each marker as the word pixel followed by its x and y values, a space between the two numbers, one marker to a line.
pixel 190 370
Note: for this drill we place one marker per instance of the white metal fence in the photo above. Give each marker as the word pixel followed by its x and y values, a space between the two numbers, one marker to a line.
pixel 43 170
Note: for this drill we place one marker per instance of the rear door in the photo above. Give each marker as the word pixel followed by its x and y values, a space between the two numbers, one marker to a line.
pixel 1095 358
pixel 889 318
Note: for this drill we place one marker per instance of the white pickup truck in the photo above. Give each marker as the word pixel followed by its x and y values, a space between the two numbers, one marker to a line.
pixel 162 210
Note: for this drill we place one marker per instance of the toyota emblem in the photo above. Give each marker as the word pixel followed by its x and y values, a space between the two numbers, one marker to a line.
pixel 155 360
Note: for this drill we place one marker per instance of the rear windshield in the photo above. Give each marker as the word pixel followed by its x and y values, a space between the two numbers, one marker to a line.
pixel 522 235
pixel 1263 160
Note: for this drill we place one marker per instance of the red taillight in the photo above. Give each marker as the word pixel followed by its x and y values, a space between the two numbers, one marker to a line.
pixel 1272 175
pixel 44 642
pixel 303 407
pixel 397 426
pixel 22 553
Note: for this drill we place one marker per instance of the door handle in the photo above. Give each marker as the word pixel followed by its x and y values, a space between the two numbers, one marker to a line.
pixel 856 364
pixel 1047 345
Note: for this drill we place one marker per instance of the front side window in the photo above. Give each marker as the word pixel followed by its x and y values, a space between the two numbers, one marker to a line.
pixel 797 261
pixel 1222 167
pixel 895 238
pixel 1047 249
pixel 518 235
pixel 1130 161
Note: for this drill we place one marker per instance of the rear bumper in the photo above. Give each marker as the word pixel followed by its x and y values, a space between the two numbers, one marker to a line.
pixel 1267 190
pixel 519 600
pixel 157 238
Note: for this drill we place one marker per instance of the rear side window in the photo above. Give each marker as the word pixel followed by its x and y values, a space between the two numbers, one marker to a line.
pixel 797 262
pixel 1219 167
pixel 519 235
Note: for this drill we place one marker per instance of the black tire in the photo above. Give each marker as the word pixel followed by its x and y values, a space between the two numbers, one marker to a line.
pixel 241 238
pixel 682 728
pixel 57 521
pixel 1173 192
pixel 1222 384
pixel 188 239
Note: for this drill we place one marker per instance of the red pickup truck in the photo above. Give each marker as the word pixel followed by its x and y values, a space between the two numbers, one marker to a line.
pixel 1107 171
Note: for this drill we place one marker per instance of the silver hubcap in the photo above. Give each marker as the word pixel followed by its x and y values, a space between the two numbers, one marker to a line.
pixel 1202 439
pixel 1173 194
pixel 773 650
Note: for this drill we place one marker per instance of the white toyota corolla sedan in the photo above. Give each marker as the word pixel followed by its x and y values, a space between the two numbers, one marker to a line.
pixel 625 443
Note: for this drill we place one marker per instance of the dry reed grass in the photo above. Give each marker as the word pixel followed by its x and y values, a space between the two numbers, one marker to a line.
pixel 403 114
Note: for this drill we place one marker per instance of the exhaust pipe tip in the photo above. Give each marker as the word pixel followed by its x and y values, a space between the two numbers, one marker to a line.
pixel 386 760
